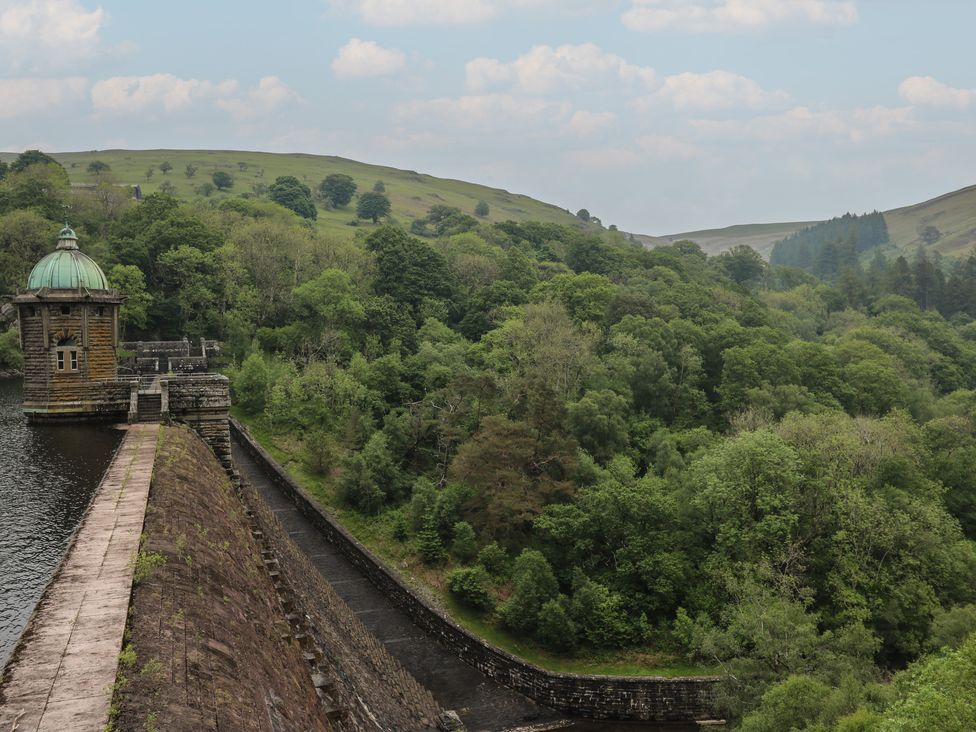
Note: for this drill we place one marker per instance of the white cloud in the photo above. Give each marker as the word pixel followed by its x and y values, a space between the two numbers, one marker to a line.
pixel 484 110
pixel 139 93
pixel 544 69
pixel 929 92
pixel 270 94
pixel 585 123
pixel 855 125
pixel 43 34
pixel 716 90
pixel 645 150
pixel 666 147
pixel 710 16
pixel 454 12
pixel 23 97
pixel 366 58
pixel 604 158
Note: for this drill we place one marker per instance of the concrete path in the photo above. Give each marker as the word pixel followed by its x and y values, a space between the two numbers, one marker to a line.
pixel 61 674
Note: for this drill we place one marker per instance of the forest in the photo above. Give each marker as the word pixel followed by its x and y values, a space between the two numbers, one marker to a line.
pixel 597 447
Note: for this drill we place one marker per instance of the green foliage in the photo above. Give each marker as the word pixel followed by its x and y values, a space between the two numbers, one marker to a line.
pixel 464 542
pixel 294 195
pixel 372 205
pixel 97 167
pixel 494 559
pixel 936 693
pixel 471 586
pixel 146 564
pixel 338 189
pixel 252 384
pixel 222 180
pixel 482 209
pixel 131 284
pixel 533 584
pixel 443 221
pixel 29 158
pixel 11 357
pixel 430 545
pixel 165 167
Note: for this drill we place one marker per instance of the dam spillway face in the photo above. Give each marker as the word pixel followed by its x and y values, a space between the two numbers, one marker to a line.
pixel 212 644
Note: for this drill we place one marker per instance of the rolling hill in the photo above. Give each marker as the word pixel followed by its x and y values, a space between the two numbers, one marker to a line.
pixel 760 237
pixel 410 193
pixel 953 214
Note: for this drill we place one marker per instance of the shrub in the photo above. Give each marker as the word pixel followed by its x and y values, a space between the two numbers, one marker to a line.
pixel 470 585
pixel 465 544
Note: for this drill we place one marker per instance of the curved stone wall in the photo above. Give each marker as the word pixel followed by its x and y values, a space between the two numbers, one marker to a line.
pixel 599 697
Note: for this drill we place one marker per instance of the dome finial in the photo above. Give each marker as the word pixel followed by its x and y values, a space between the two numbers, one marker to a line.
pixel 67 239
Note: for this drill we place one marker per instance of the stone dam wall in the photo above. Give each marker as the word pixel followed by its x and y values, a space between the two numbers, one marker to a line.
pixel 232 630
pixel 599 697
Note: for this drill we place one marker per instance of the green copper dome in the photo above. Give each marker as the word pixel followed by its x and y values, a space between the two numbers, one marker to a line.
pixel 67 268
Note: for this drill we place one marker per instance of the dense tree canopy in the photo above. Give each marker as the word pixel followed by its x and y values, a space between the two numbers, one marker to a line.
pixel 599 447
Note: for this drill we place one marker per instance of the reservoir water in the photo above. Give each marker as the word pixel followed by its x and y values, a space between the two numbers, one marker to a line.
pixel 48 475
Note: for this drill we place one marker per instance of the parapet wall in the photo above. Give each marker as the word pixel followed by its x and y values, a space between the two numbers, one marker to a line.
pixel 599 697
pixel 203 402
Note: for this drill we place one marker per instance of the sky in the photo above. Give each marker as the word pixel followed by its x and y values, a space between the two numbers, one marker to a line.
pixel 659 116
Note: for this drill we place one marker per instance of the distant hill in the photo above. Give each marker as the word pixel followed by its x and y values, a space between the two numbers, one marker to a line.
pixel 952 214
pixel 760 237
pixel 410 193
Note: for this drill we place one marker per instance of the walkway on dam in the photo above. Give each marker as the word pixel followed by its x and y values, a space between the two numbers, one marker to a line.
pixel 62 672
pixel 482 703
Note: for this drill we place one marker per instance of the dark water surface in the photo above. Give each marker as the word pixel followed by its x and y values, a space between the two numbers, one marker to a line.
pixel 482 703
pixel 48 475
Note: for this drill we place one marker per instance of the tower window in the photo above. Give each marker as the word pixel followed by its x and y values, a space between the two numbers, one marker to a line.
pixel 66 310
pixel 101 310
pixel 67 360
pixel 67 355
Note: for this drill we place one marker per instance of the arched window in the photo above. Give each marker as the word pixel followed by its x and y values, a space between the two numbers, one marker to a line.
pixel 67 353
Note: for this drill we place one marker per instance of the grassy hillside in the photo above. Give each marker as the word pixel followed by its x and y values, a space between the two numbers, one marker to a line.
pixel 410 193
pixel 760 237
pixel 953 214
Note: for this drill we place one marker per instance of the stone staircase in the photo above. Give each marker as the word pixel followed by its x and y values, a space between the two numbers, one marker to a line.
pixel 149 402
pixel 150 407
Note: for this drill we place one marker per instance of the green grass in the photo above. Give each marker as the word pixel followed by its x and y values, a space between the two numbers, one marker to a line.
pixel 376 533
pixel 953 214
pixel 411 194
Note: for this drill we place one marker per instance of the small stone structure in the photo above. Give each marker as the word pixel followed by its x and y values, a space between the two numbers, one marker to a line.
pixel 160 357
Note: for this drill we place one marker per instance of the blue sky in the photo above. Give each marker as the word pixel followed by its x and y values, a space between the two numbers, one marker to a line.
pixel 657 115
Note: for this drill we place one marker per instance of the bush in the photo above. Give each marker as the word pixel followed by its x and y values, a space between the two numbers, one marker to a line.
pixel 251 384
pixel 554 628
pixel 495 559
pixel 222 180
pixel 429 544
pixel 470 586
pixel 465 544
pixel 11 358
pixel 534 584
